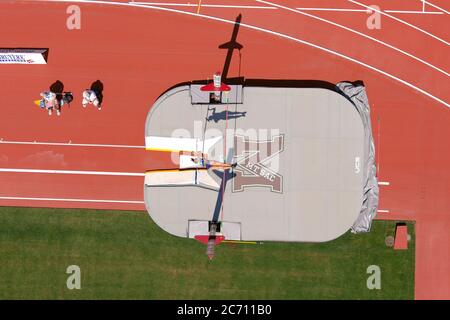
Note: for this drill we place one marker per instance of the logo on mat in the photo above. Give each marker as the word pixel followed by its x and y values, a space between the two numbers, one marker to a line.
pixel 258 163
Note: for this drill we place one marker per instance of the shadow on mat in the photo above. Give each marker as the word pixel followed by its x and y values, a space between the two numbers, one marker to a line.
pixel 216 117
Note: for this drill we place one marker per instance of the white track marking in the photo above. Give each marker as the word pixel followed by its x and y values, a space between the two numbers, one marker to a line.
pixel 333 9
pixel 98 173
pixel 281 35
pixel 72 200
pixel 413 12
pixel 435 6
pixel 367 10
pixel 383 211
pixel 168 4
pixel 70 144
pixel 401 21
pixel 225 6
pixel 383 183
pixel 358 33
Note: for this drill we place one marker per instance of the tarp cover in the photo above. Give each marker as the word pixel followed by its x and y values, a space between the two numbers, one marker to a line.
pixel 357 94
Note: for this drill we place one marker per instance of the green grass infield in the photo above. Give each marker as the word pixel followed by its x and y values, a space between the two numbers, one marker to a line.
pixel 124 255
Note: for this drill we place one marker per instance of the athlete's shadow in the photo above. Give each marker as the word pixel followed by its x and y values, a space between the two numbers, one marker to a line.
pixel 58 88
pixel 97 87
pixel 63 98
pixel 216 117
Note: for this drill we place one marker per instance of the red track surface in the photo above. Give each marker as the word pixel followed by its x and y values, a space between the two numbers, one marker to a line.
pixel 139 52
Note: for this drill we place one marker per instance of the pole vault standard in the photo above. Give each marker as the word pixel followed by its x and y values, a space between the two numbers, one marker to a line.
pixel 194 161
pixel 217 87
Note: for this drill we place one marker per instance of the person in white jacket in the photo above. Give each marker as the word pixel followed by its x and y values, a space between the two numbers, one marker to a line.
pixel 89 96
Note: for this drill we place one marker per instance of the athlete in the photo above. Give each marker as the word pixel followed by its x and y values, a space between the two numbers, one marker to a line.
pixel 89 96
pixel 199 160
pixel 50 102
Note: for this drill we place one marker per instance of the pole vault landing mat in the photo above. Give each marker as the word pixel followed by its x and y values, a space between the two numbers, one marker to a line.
pixel 297 161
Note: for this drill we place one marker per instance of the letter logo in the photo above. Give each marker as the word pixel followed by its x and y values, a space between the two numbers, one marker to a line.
pixel 256 161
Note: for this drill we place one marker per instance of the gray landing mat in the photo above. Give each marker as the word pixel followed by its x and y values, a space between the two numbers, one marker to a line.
pixel 305 169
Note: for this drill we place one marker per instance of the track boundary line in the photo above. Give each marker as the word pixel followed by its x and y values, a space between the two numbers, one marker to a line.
pixel 366 11
pixel 71 200
pixel 224 6
pixel 413 12
pixel 76 172
pixel 70 144
pixel 358 33
pixel 332 9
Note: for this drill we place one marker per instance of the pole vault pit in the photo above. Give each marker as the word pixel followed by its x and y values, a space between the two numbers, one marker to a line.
pixel 303 162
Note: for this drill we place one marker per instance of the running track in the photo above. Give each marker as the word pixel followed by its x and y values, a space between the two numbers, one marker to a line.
pixel 92 159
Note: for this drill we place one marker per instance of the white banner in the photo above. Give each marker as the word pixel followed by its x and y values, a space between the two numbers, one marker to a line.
pixel 22 56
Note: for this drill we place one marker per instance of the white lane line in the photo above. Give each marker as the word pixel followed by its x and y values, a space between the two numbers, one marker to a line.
pixel 358 33
pixel 70 144
pixel 171 4
pixel 281 35
pixel 435 6
pixel 368 11
pixel 413 12
pixel 400 20
pixel 383 211
pixel 383 183
pixel 72 200
pixel 98 173
pixel 203 5
pixel 333 9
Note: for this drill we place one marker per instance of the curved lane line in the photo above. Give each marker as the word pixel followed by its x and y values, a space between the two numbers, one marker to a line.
pixel 401 21
pixel 356 32
pixel 435 6
pixel 223 6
